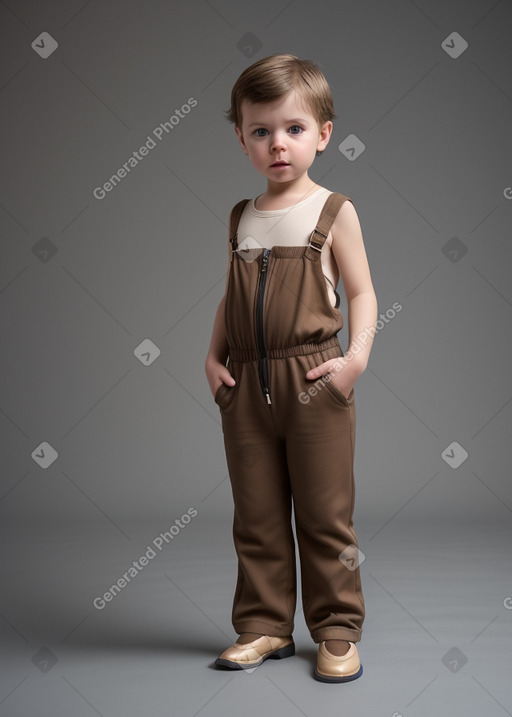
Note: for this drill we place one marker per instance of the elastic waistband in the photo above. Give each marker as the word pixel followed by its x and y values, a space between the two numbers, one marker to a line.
pixel 299 350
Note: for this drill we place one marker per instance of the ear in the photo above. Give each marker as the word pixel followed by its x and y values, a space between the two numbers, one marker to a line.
pixel 241 139
pixel 325 135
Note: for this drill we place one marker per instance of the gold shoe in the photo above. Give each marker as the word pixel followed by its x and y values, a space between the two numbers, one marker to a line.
pixel 243 657
pixel 337 668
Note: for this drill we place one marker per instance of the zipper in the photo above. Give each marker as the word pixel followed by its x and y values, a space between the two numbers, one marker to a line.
pixel 262 361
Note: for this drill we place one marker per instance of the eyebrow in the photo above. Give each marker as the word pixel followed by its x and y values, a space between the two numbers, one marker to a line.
pixel 294 119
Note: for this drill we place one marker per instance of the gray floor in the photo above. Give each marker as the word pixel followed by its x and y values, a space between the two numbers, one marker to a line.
pixel 436 640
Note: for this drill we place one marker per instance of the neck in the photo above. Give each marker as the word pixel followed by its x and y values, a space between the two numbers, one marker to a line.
pixel 297 188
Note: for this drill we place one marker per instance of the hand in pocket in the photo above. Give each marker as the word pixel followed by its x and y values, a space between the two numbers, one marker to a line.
pixel 339 377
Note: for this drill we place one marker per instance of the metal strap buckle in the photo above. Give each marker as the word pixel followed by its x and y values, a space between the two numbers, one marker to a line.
pixel 313 244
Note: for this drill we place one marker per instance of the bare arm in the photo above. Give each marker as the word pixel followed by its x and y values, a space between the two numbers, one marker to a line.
pixel 215 362
pixel 350 255
pixel 218 350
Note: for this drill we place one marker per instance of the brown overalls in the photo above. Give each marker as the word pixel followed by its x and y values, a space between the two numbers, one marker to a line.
pixel 283 442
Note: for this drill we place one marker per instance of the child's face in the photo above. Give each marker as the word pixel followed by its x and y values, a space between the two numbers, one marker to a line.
pixel 281 130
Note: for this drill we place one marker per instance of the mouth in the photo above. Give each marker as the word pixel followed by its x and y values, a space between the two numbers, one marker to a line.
pixel 280 164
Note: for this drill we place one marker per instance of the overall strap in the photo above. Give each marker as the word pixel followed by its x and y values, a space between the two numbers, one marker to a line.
pixel 327 216
pixel 236 213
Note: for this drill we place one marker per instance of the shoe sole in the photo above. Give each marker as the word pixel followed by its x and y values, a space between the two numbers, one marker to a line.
pixel 346 678
pixel 279 654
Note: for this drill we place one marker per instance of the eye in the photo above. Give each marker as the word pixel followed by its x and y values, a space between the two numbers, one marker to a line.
pixel 297 127
pixel 260 129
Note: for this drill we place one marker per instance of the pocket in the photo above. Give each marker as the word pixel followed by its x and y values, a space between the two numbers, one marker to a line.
pixel 223 395
pixel 338 395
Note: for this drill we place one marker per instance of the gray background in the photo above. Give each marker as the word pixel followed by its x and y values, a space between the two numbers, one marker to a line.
pixel 138 445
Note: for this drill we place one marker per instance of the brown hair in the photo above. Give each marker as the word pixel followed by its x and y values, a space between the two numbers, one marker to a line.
pixel 273 77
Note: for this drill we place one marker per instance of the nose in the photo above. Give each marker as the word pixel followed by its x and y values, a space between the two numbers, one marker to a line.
pixel 278 143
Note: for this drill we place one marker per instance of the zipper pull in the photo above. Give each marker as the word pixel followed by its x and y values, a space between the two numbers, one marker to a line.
pixel 265 260
pixel 267 394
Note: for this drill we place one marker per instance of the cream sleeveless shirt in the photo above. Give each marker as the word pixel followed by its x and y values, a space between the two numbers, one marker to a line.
pixel 291 226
